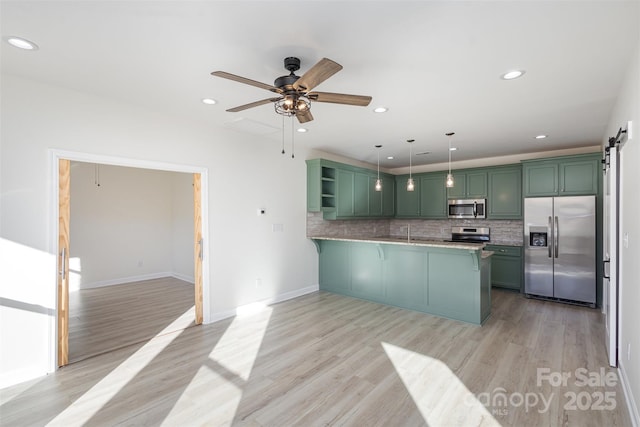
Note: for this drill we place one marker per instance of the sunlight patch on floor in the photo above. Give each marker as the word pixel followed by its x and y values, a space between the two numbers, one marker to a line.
pixel 87 405
pixel 439 395
pixel 225 374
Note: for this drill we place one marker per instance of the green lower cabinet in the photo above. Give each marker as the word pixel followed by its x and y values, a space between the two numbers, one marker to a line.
pixel 335 272
pixel 368 281
pixel 506 266
pixel 447 282
pixel 405 274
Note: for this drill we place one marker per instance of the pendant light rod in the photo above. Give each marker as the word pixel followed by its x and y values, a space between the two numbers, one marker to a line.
pixel 378 186
pixel 450 182
pixel 410 184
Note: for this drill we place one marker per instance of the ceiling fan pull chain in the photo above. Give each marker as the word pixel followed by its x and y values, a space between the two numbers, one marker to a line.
pixel 292 147
pixel 282 134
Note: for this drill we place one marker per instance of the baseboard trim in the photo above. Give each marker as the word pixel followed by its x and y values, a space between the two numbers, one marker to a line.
pixel 122 280
pixel 184 277
pixel 215 317
pixel 628 395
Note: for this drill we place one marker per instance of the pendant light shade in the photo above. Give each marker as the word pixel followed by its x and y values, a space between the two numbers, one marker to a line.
pixel 378 186
pixel 450 182
pixel 410 184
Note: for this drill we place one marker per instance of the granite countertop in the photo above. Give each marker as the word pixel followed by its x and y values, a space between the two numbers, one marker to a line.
pixel 413 242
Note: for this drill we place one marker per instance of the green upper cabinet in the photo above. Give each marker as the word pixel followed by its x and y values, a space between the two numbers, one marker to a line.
pixel 375 197
pixel 321 188
pixel 407 202
pixel 361 194
pixel 579 177
pixel 505 193
pixel 433 195
pixel 562 176
pixel 468 185
pixel 388 196
pixel 540 179
pixel 343 191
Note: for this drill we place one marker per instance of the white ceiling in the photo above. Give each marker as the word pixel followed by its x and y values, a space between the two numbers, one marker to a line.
pixel 435 64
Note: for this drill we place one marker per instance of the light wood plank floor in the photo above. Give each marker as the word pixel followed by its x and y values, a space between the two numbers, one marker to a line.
pixel 325 359
pixel 111 317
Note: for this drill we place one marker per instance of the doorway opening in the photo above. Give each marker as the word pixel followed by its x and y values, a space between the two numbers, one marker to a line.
pixel 82 275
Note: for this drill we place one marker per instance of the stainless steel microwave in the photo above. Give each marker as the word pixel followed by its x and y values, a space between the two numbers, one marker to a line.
pixel 467 208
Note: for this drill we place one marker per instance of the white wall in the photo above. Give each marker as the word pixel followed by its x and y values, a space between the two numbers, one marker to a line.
pixel 182 226
pixel 122 230
pixel 628 108
pixel 244 173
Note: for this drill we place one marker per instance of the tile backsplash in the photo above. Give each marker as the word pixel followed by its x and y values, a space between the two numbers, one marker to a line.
pixel 503 232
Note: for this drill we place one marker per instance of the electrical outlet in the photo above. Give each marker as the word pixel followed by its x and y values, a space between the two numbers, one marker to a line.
pixel 625 240
pixel 629 130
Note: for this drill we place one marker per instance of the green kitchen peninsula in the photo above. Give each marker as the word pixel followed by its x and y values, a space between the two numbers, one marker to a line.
pixel 446 279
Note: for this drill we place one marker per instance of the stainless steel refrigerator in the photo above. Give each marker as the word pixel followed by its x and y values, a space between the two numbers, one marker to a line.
pixel 560 247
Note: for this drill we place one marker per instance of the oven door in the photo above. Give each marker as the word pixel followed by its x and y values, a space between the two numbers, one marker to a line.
pixel 467 208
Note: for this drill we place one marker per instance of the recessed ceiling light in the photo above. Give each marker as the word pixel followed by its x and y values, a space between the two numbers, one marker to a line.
pixel 541 136
pixel 21 43
pixel 513 74
pixel 209 101
pixel 389 157
pixel 302 130
pixel 380 110
pixel 453 149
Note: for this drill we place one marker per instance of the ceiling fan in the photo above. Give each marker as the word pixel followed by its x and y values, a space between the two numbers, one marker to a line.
pixel 296 91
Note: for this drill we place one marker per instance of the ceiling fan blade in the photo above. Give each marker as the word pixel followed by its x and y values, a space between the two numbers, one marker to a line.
pixel 320 72
pixel 252 104
pixel 245 80
pixel 340 98
pixel 304 116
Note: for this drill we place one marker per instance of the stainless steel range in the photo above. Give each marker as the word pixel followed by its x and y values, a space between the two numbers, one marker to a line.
pixel 470 234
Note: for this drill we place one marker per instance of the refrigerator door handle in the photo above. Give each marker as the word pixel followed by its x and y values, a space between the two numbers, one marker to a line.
pixel 556 236
pixel 550 234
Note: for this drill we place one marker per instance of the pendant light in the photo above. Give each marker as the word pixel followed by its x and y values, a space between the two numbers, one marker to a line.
pixel 450 182
pixel 378 186
pixel 410 184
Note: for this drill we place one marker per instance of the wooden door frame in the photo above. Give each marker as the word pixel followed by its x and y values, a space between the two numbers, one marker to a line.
pixel 55 157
